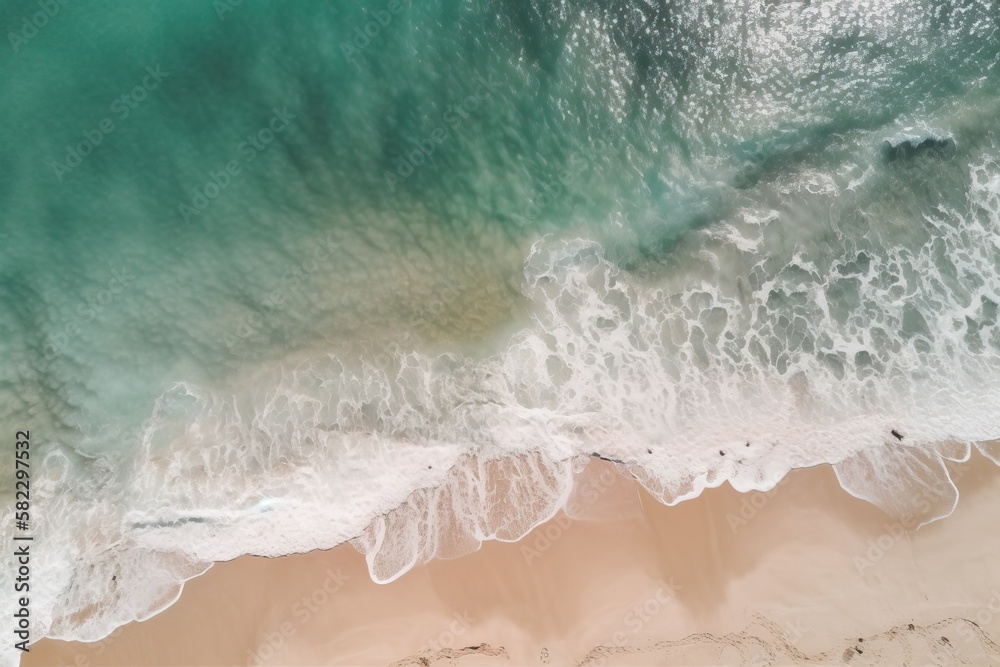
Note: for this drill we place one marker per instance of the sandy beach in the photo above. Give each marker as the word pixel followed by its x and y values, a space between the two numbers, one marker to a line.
pixel 385 332
pixel 804 574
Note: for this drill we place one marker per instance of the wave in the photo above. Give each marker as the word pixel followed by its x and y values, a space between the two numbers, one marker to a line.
pixel 912 143
pixel 879 359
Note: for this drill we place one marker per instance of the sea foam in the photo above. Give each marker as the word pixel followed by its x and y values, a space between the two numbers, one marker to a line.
pixel 879 360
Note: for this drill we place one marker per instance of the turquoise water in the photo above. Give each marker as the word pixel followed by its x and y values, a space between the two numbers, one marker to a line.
pixel 270 282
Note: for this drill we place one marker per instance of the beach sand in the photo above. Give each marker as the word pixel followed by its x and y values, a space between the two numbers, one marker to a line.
pixel 805 574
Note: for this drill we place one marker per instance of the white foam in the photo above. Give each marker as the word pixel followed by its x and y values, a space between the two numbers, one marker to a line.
pixel 688 383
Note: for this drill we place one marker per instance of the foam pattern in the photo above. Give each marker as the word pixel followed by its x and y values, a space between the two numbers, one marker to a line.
pixel 685 382
pixel 741 279
pixel 481 500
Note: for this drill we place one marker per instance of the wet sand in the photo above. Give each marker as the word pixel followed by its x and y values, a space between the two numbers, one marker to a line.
pixel 804 574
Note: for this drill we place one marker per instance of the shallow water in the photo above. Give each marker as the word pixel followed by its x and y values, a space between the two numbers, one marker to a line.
pixel 269 283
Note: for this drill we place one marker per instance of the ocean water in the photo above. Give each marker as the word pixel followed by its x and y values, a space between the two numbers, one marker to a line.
pixel 275 277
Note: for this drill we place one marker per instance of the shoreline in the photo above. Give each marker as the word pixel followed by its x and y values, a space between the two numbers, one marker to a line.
pixel 799 573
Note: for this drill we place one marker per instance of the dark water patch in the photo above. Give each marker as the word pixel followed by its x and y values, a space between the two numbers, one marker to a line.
pixel 910 148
